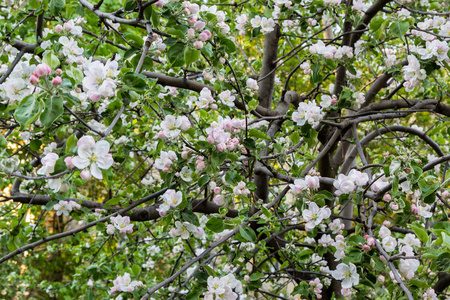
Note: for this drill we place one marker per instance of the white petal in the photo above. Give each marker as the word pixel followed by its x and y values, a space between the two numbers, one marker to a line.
pixel 95 171
pixel 80 163
pixel 85 151
pixel 105 162
pixel 101 148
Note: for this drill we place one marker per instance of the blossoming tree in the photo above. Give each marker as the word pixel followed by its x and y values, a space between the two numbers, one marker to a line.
pixel 285 149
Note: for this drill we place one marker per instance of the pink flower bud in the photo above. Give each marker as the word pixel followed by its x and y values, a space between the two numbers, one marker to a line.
pixel 381 278
pixel 198 45
pixel 86 175
pixel 161 135
pixel 184 154
pixel 214 106
pixel 414 208
pixel 210 139
pixel 199 25
pixel 219 200
pixel 68 161
pixel 190 33
pixel 203 36
pixel 57 80
pixel 58 72
pixel 221 147
pixel 34 80
pixel 58 28
pixel 393 206
pixel 366 247
pixel 387 197
pixel 217 190
pixel 42 70
pixel 246 278
pixel 192 20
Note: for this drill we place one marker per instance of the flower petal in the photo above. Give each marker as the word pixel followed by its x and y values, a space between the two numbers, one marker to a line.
pixel 95 171
pixel 85 151
pixel 80 163
pixel 105 162
pixel 101 148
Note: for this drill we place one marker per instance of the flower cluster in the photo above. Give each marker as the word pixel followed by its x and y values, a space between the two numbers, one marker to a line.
pixel 219 133
pixel 65 207
pixel 172 126
pixel 307 113
pixel 330 51
pixel 122 224
pixel 301 184
pixel 347 274
pixel 183 229
pixel 346 184
pixel 266 25
pixel 241 189
pixel 99 80
pixel 227 98
pixel 93 155
pixel 314 215
pixel 165 160
pixel 125 284
pixel 317 287
pixel 436 49
pixel 170 198
pixel 226 287
pixel 413 74
pixel 407 267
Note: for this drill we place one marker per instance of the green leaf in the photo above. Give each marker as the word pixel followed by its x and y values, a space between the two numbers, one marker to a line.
pixel 266 212
pixel 376 22
pixel 248 234
pixel 203 180
pixel 420 232
pixel 419 283
pixel 55 7
pixel 380 33
pixel 134 81
pixel 134 40
pixel 256 276
pixel 175 55
pixel 191 55
pixel 71 143
pixel 135 270
pixel 215 224
pixel 295 138
pixel 113 201
pixel 443 262
pixel 229 45
pixel 431 253
pixel 53 108
pixel 325 195
pixel 4 142
pixel 51 60
pixel 28 111
pixel 399 28
pixel 230 178
pixel 60 166
pixel 258 134
pixel 253 104
pixel 190 217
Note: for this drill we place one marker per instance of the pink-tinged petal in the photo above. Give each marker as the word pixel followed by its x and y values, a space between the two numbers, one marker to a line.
pixel 85 151
pixel 105 162
pixel 101 148
pixel 95 171
pixel 86 140
pixel 80 163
